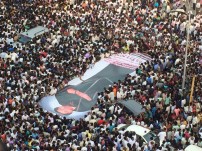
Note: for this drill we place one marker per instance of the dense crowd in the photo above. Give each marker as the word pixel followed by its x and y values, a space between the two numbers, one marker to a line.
pixel 46 64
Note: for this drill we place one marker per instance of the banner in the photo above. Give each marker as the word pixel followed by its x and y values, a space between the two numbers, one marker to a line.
pixel 77 98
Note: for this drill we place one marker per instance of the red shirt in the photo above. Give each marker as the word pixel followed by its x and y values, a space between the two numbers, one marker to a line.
pixel 99 122
pixel 3 137
pixel 186 135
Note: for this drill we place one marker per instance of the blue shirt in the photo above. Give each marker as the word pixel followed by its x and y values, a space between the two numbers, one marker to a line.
pixel 11 49
pixel 156 66
pixel 149 80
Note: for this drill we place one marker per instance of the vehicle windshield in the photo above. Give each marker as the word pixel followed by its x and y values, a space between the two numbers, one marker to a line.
pixel 148 136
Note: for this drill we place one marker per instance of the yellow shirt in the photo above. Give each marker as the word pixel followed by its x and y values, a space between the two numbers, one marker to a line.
pixel 126 48
pixel 200 117
pixel 30 143
pixel 185 122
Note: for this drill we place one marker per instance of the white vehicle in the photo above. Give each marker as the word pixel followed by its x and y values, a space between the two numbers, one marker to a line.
pixel 121 126
pixel 193 148
pixel 144 133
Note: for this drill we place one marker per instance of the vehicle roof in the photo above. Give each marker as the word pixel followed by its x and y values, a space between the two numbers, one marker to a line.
pixel 120 126
pixel 193 148
pixel 36 31
pixel 139 130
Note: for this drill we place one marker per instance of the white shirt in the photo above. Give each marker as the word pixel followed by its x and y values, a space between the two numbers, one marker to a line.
pixel 84 148
pixel 162 135
pixel 182 127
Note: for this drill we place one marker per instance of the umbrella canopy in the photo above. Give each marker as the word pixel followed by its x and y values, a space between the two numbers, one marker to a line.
pixel 135 107
pixel 3 55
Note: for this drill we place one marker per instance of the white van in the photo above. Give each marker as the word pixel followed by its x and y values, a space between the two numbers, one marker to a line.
pixel 193 148
pixel 143 132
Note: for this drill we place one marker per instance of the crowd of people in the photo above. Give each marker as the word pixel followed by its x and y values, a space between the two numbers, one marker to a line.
pixel 46 64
